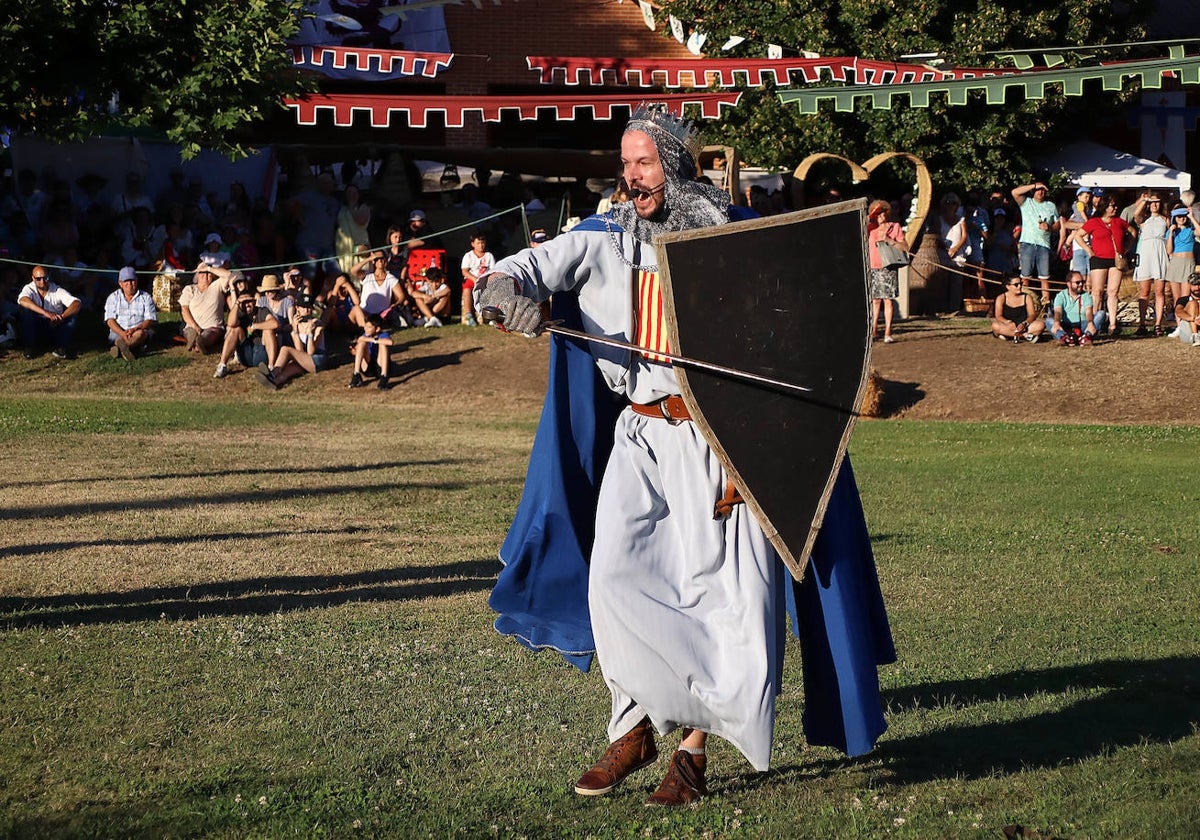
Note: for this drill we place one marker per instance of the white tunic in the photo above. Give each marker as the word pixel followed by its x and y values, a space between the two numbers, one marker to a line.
pixel 684 607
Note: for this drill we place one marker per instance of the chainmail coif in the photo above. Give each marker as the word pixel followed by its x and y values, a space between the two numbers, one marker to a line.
pixel 687 203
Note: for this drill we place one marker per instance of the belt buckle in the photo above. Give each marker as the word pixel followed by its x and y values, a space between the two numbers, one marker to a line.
pixel 666 412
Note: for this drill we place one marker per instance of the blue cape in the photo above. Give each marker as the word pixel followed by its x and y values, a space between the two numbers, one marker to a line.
pixel 837 611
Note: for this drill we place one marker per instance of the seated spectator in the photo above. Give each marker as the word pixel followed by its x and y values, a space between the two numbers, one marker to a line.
pixel 130 315
pixel 215 252
pixel 1017 313
pixel 245 320
pixel 475 263
pixel 47 316
pixel 337 299
pixel 273 297
pixel 202 307
pixel 371 350
pixel 382 293
pixel 396 253
pixel 308 354
pixel 431 296
pixel 1075 320
pixel 1187 313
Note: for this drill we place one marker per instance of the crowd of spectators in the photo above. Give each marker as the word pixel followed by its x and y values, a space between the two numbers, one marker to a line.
pixel 263 287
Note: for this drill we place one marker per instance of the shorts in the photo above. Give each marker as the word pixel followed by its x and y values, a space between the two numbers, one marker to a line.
pixel 250 353
pixel 1180 267
pixel 468 284
pixel 319 360
pixel 1035 260
pixel 1101 264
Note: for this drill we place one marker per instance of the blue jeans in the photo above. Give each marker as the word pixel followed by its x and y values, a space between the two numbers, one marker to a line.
pixel 1099 320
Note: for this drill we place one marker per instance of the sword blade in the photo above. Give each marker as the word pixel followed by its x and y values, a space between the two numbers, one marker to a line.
pixel 684 361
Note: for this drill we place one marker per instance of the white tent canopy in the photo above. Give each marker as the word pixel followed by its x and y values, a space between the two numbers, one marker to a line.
pixel 1092 165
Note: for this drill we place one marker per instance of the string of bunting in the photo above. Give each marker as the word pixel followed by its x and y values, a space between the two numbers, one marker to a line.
pixel 352 62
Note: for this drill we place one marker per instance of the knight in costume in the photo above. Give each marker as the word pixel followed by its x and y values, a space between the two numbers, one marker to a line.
pixel 686 611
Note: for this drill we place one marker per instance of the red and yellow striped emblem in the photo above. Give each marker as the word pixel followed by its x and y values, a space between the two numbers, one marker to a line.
pixel 651 328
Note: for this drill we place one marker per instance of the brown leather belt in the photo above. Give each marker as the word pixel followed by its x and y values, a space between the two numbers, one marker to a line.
pixel 668 408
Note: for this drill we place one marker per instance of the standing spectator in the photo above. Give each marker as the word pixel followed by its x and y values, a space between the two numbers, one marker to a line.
pixel 130 316
pixel 952 244
pixel 1187 314
pixel 1081 211
pixel 143 245
pixel 202 307
pixel 1104 237
pixel 885 279
pixel 1039 219
pixel 236 211
pixel 352 220
pixel 1015 314
pixel 316 213
pixel 28 200
pixel 975 220
pixel 1002 249
pixel 1151 269
pixel 175 191
pixel 475 263
pixel 47 316
pixel 1181 259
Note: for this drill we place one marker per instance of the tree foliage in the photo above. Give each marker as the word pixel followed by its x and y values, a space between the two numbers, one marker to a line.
pixel 201 71
pixel 976 144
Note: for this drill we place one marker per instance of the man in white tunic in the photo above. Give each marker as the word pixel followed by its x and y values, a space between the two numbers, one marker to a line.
pixel 684 607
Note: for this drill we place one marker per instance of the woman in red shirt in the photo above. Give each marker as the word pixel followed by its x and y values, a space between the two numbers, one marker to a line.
pixel 1103 237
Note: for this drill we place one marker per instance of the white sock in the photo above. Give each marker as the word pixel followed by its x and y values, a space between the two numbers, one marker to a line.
pixel 692 750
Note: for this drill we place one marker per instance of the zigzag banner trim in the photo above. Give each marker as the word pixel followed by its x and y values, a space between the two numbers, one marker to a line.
pixel 416 109
pixel 726 72
pixel 1032 85
pixel 381 64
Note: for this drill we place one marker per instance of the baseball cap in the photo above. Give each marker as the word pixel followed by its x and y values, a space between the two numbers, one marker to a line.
pixel 538 235
pixel 416 215
pixel 1097 191
pixel 211 238
pixel 126 273
pixel 1083 190
pixel 1179 211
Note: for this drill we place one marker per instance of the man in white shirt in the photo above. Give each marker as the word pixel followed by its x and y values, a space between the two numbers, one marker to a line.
pixel 47 315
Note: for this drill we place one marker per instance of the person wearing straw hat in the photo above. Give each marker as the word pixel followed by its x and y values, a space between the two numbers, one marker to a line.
pixel 274 298
pixel 202 307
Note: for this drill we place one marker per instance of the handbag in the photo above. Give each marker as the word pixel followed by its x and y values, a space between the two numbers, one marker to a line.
pixel 891 256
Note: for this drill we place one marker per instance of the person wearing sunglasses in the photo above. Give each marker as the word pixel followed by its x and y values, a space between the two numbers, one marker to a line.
pixel 1015 314
pixel 47 315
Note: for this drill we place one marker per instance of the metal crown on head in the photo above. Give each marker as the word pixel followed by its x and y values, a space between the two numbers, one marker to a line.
pixel 654 119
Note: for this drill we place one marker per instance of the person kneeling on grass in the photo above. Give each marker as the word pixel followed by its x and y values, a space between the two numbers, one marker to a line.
pixel 372 348
pixel 308 354
pixel 1015 315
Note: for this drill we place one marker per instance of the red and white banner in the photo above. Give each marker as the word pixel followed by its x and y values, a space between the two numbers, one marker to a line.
pixel 416 109
pixel 724 72
pixel 368 64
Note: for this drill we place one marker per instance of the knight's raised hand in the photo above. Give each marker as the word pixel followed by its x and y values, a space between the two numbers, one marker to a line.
pixel 516 313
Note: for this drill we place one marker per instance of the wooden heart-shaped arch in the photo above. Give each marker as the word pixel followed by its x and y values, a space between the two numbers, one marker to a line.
pixel 862 172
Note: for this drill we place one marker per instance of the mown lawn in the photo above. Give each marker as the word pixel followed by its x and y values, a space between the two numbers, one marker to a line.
pixel 254 618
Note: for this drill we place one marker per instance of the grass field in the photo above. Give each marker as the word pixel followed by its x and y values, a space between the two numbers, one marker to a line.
pixel 251 618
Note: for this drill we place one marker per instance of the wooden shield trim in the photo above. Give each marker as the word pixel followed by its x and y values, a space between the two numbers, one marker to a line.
pixel 794 557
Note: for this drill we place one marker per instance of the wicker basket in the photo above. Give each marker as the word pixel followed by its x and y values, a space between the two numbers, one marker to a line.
pixel 977 306
pixel 166 291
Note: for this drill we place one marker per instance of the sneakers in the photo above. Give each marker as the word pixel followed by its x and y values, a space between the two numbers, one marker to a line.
pixel 60 353
pixel 222 371
pixel 265 378
pixel 629 753
pixel 1085 340
pixel 435 321
pixel 684 782
pixel 887 339
pixel 383 384
pixel 356 381
pixel 114 352
pixel 122 349
pixel 1064 340
pixel 1032 339
pixel 1173 333
pixel 470 321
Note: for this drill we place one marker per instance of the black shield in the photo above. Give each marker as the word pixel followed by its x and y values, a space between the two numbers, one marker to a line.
pixel 784 297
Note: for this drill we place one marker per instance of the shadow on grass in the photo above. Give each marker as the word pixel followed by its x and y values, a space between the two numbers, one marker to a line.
pixel 1128 703
pixel 251 596
pixel 411 368
pixel 327 469
pixel 283 494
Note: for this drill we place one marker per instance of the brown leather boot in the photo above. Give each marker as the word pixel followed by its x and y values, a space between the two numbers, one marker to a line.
pixel 684 782
pixel 632 751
